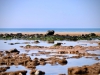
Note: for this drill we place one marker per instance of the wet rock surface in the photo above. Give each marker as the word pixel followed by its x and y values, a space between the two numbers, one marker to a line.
pixel 53 55
pixel 14 73
pixel 23 59
pixel 37 72
pixel 86 69
pixel 79 50
pixel 13 51
pixel 3 69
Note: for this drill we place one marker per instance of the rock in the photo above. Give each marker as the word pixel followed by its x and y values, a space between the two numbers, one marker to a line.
pixel 42 61
pixel 50 32
pixel 58 44
pixel 3 69
pixel 96 58
pixel 21 46
pixel 11 43
pixel 26 42
pixel 36 41
pixel 19 34
pixel 90 70
pixel 17 43
pixel 50 41
pixel 76 70
pixel 76 57
pixel 61 52
pixel 32 72
pixel 62 61
pixel 99 43
pixel 37 72
pixel 13 51
pixel 14 73
pixel 92 34
pixel 28 46
pixel 62 74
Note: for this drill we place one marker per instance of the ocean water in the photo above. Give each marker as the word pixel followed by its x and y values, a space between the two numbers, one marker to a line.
pixel 46 29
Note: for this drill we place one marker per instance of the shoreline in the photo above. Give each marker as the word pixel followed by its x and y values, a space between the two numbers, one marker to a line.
pixel 60 33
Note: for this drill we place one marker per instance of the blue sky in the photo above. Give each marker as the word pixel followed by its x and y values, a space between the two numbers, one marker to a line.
pixel 50 13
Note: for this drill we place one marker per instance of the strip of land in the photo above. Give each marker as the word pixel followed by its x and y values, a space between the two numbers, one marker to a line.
pixel 60 33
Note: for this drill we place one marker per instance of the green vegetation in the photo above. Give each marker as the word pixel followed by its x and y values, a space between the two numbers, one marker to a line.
pixel 49 37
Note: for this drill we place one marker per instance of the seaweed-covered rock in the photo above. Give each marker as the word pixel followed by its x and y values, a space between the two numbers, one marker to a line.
pixel 50 41
pixel 19 34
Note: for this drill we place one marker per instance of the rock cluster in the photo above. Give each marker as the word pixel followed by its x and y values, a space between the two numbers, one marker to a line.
pixel 48 36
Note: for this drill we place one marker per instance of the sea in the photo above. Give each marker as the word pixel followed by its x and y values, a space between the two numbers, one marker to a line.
pixel 46 29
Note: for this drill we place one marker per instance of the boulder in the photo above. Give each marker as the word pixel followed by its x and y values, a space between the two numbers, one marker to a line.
pixel 50 32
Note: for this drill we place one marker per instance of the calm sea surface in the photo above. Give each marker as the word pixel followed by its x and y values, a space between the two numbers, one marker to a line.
pixel 46 29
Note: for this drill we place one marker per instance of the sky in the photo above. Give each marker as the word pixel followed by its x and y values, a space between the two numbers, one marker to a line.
pixel 49 13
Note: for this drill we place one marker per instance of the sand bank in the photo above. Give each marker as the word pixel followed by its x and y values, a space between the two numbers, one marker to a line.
pixel 60 33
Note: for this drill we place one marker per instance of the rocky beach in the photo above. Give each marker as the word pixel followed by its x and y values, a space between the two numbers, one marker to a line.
pixel 50 53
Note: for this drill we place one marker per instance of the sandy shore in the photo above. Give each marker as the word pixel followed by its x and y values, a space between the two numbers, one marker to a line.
pixel 60 33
